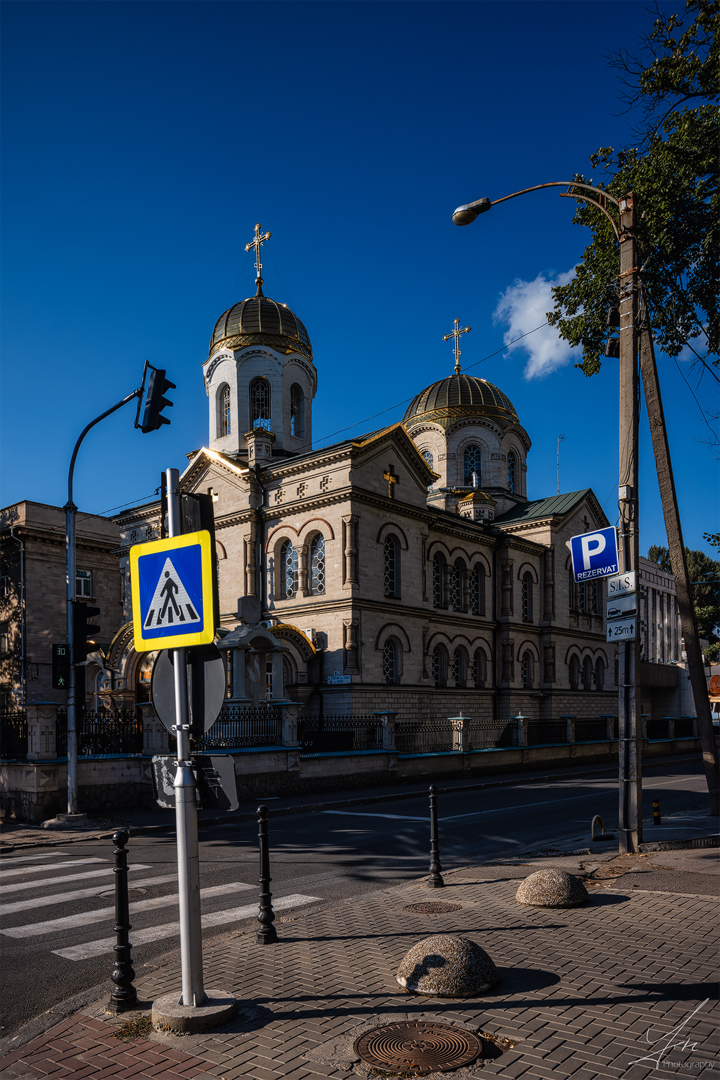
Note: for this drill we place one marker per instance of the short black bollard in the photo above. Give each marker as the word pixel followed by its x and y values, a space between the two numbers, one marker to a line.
pixel 657 820
pixel 435 880
pixel 267 934
pixel 124 994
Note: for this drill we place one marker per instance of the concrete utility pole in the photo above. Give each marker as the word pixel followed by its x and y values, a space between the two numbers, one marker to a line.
pixel 678 561
pixel 630 759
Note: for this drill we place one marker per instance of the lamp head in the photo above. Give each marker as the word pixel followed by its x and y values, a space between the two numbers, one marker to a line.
pixel 465 215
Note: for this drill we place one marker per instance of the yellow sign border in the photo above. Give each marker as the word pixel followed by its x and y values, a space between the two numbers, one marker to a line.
pixel 175 641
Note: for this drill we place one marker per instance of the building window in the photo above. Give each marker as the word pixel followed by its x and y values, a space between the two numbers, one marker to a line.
pixel 458 585
pixel 599 674
pixel 595 597
pixel 571 591
pixel 527 597
pixel 587 673
pixel 269 680
pixel 289 673
pixel 288 571
pixel 527 669
pixel 472 464
pixel 582 598
pixel 83 583
pixel 511 471
pixel 477 590
pixel 297 410
pixel 479 669
pixel 439 665
pixel 439 581
pixel 391 566
pixel 260 404
pixel 428 455
pixel 317 565
pixel 460 666
pixel 224 424
pixel 574 672
pixel 391 661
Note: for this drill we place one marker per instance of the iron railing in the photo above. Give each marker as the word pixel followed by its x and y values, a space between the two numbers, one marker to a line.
pixel 546 731
pixel 424 737
pixel 338 734
pixel 13 735
pixel 485 735
pixel 591 730
pixel 103 734
pixel 685 727
pixel 238 726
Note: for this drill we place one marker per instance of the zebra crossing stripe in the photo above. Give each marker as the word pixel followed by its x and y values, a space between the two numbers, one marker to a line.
pixel 18 886
pixel 17 859
pixel 80 894
pixel 153 933
pixel 50 866
pixel 71 921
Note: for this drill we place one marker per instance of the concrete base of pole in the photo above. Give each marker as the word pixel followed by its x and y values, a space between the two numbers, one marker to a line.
pixel 218 1008
pixel 68 821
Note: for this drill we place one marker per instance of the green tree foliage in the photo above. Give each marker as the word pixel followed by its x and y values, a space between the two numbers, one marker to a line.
pixel 706 598
pixel 673 86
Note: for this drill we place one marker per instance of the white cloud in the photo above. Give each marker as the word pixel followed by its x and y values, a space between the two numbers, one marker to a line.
pixel 521 308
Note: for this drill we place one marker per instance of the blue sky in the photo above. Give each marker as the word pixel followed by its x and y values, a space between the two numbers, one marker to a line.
pixel 142 141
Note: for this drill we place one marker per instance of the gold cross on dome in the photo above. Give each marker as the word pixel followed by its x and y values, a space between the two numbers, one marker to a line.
pixel 391 479
pixel 456 334
pixel 257 243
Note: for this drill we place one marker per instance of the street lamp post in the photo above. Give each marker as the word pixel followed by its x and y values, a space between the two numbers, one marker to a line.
pixel 630 762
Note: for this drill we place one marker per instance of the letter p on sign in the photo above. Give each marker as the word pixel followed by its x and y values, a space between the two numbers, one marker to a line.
pixel 594 554
pixel 591 544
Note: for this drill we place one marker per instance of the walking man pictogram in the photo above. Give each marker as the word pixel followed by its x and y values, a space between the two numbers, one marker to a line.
pixel 168 590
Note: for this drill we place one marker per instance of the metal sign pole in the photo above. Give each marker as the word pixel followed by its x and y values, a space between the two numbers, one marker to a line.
pixel 185 805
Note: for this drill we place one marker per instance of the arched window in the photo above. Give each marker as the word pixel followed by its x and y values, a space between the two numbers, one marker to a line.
pixel 289 673
pixel 260 403
pixel 479 668
pixel 428 455
pixel 317 565
pixel 599 673
pixel 391 661
pixel 391 566
pixel 472 463
pixel 458 585
pixel 440 665
pixel 574 672
pixel 527 597
pixel 460 666
pixel 587 673
pixel 288 571
pixel 439 581
pixel 297 410
pixel 527 669
pixel 224 424
pixel 511 471
pixel 477 590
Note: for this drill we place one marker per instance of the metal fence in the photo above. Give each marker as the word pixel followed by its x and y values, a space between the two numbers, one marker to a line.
pixel 103 733
pixel 546 731
pixel 338 734
pixel 591 730
pixel 685 727
pixel 237 727
pixel 484 735
pixel 13 735
pixel 424 737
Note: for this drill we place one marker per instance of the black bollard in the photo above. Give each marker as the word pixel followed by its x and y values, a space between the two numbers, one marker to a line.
pixel 657 820
pixel 435 880
pixel 267 934
pixel 124 994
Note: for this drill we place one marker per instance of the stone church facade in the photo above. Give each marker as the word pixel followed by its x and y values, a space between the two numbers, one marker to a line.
pixel 403 570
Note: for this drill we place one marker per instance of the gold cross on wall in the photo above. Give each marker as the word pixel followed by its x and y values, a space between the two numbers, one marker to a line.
pixel 391 479
pixel 257 243
pixel 456 334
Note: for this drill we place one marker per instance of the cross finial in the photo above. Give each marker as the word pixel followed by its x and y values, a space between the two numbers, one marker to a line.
pixel 257 243
pixel 456 334
pixel 391 479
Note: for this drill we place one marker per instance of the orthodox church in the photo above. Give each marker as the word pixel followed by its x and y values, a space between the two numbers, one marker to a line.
pixel 402 570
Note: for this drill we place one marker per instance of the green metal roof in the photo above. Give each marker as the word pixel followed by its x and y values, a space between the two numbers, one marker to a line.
pixel 554 506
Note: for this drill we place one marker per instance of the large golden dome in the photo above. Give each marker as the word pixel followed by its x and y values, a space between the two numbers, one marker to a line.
pixel 458 396
pixel 260 320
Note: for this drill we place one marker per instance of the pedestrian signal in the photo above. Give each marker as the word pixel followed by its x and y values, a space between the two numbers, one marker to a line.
pixel 60 667
pixel 172 596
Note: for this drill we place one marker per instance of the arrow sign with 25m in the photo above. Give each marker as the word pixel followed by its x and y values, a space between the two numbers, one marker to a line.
pixel 172 595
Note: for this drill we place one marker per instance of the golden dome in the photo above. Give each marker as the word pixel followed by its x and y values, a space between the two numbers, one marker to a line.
pixel 456 397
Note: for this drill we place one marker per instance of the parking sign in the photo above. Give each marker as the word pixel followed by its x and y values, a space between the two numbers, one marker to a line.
pixel 594 554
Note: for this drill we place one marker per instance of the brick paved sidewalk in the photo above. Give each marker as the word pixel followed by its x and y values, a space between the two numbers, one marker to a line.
pixel 579 989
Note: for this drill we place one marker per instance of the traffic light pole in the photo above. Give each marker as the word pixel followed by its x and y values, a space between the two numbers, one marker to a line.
pixel 70 563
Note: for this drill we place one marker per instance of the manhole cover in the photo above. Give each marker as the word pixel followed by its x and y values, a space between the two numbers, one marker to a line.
pixel 131 892
pixel 418 1048
pixel 432 909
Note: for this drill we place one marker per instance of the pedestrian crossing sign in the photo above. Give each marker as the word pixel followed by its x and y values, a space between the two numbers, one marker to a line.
pixel 172 595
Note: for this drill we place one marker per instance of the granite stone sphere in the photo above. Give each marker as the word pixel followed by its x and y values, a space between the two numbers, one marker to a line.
pixel 552 888
pixel 447 966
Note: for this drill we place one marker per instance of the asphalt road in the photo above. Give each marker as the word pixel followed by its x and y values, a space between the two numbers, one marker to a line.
pixel 56 920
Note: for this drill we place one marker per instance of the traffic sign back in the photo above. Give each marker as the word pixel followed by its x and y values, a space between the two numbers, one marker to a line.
pixel 172 592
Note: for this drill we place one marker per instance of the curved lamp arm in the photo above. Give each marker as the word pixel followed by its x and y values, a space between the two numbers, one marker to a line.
pixel 466 214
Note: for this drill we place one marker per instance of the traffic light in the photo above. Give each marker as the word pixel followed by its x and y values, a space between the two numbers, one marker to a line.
pixel 84 632
pixel 60 666
pixel 155 402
